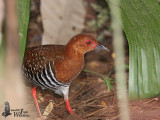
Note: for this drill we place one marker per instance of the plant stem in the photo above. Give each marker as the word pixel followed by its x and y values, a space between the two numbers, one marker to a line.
pixel 118 44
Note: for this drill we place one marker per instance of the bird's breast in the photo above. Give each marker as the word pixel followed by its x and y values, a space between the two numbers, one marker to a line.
pixel 66 71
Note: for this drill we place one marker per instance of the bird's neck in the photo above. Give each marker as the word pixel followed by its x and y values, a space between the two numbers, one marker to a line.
pixel 70 67
pixel 73 53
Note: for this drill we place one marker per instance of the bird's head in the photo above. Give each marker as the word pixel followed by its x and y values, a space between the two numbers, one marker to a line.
pixel 85 42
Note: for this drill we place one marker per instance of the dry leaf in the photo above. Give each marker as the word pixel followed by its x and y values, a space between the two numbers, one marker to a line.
pixel 103 103
pixel 100 80
pixel 41 98
pixel 113 55
pixel 93 64
pixel 48 109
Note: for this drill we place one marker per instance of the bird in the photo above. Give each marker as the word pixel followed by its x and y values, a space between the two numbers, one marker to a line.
pixel 54 67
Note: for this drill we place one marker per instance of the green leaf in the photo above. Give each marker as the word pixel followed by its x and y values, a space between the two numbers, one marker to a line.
pixel 107 80
pixel 141 23
pixel 2 56
pixel 23 14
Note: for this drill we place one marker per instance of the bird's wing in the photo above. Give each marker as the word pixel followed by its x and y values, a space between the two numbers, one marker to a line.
pixel 38 64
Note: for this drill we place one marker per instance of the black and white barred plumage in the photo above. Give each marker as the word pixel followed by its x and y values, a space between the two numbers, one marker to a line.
pixel 40 71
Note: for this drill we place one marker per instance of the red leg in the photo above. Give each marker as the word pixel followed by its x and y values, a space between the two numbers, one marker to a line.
pixel 68 107
pixel 34 93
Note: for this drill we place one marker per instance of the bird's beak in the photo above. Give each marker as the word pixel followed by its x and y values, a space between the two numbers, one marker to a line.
pixel 100 47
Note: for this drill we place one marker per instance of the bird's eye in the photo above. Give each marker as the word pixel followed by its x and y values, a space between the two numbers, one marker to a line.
pixel 88 42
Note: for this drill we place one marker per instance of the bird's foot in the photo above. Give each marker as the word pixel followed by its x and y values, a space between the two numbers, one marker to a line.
pixel 34 93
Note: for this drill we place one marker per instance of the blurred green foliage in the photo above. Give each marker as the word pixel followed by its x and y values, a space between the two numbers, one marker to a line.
pixel 141 23
pixel 102 17
pixel 2 56
pixel 101 22
pixel 23 15
pixel 23 8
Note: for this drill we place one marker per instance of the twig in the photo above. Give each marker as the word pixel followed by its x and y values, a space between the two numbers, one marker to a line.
pixel 115 118
pixel 104 110
pixel 98 97
pixel 153 99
